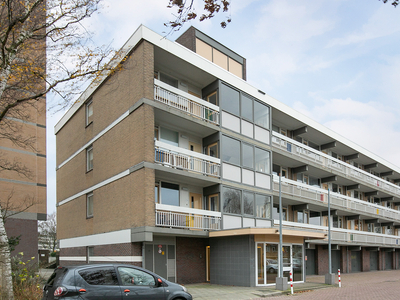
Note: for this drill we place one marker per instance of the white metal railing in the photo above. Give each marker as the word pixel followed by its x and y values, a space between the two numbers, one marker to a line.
pixel 298 149
pixel 181 217
pixel 320 196
pixel 345 235
pixel 185 102
pixel 184 159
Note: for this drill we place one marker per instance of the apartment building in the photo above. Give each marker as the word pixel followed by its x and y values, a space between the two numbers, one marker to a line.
pixel 23 139
pixel 172 163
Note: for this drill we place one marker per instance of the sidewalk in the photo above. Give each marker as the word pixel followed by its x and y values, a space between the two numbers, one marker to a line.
pixel 365 285
pixel 222 292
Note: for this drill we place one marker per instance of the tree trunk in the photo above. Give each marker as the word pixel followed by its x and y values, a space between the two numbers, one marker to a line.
pixel 6 285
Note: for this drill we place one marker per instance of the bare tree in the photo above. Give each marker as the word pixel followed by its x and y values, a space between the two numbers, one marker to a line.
pixel 394 2
pixel 48 232
pixel 187 12
pixel 44 49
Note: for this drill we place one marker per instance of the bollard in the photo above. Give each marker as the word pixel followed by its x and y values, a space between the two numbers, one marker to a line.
pixel 291 283
pixel 340 285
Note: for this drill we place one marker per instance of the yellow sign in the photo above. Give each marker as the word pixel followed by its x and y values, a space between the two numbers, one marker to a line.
pixel 377 211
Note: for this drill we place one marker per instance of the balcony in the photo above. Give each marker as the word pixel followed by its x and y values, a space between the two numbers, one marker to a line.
pixel 339 235
pixel 187 218
pixel 186 102
pixel 314 195
pixel 339 167
pixel 183 159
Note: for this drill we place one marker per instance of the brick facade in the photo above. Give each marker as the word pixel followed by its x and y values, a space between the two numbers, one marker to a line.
pixel 29 236
pixel 190 256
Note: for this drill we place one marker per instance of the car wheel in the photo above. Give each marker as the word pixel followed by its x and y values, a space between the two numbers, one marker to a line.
pixel 271 270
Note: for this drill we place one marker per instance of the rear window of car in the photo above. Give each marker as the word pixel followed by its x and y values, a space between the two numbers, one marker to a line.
pixel 57 276
pixel 100 276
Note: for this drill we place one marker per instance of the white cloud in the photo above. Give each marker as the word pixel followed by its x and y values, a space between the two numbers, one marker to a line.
pixel 384 22
pixel 371 125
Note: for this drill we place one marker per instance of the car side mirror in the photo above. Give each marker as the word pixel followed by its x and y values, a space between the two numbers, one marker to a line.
pixel 159 282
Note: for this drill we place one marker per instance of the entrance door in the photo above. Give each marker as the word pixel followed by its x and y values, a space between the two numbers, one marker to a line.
pixel 335 261
pixel 195 164
pixel 373 260
pixel 197 203
pixel 160 260
pixel 287 264
pixel 310 263
pixel 388 260
pixel 355 261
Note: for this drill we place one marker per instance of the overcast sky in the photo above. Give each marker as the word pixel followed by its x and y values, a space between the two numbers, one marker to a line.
pixel 336 61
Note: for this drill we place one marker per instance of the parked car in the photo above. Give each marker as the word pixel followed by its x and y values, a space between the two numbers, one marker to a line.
pixel 111 282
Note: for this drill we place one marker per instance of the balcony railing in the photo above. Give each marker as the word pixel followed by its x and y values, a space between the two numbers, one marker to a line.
pixel 190 218
pixel 345 235
pixel 319 196
pixel 184 159
pixel 300 150
pixel 185 102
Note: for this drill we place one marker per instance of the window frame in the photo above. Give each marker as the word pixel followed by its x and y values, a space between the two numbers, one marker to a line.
pixel 89 158
pixel 89 198
pixel 88 106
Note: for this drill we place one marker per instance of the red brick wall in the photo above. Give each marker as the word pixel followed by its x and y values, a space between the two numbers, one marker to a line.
pixel 381 261
pixel 365 259
pixel 190 260
pixel 28 230
pixel 322 260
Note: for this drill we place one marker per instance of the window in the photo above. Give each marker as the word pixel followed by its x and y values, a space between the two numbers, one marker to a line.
pixel 89 112
pixel 246 107
pixel 247 156
pixel 261 114
pixel 100 276
pixel 89 205
pixel 156 188
pixel 89 158
pixel 262 161
pixel 231 150
pixel 212 150
pixel 213 98
pixel 130 276
pixel 248 203
pixel 168 80
pixel 169 193
pixel 169 136
pixel 213 203
pixel 263 206
pixel 229 99
pixel 231 198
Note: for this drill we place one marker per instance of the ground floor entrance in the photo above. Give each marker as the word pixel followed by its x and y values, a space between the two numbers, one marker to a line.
pixel 267 257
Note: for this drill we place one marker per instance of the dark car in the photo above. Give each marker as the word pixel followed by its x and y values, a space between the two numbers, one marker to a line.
pixel 111 282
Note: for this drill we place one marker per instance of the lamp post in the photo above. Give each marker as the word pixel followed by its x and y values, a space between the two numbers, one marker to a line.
pixel 281 282
pixel 329 277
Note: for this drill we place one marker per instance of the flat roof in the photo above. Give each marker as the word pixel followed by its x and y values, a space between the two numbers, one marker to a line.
pixel 144 33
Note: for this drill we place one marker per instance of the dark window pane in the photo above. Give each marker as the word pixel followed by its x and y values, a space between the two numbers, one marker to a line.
pixel 246 107
pixel 169 80
pixel 169 136
pixel 229 99
pixel 248 203
pixel 247 156
pixel 263 206
pixel 169 193
pixel 262 161
pixel 231 150
pixel 231 200
pixel 130 276
pixel 100 276
pixel 261 114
